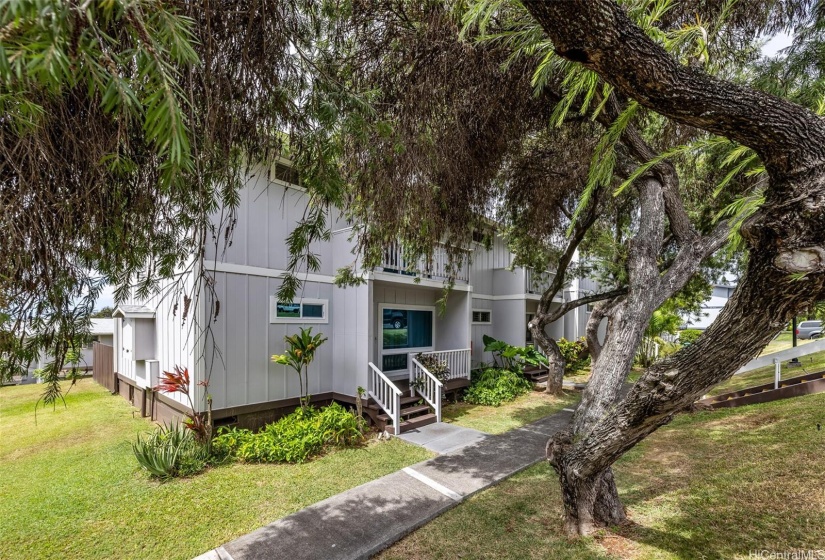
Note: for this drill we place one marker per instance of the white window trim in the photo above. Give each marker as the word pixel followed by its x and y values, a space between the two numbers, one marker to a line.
pixel 490 322
pixel 273 312
pixel 395 351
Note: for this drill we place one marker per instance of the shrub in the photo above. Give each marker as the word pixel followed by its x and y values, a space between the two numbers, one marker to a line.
pixel 493 386
pixel 575 352
pixel 438 368
pixel 292 439
pixel 689 336
pixel 170 451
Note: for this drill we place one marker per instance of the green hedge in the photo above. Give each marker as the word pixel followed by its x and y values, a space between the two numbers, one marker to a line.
pixel 292 439
pixel 493 386
pixel 689 336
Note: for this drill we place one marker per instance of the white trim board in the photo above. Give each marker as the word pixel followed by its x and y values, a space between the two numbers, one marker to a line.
pixel 511 297
pixel 411 280
pixel 231 268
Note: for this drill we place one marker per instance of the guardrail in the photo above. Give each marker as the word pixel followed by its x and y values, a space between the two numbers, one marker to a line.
pixel 776 359
pixel 427 386
pixel 386 394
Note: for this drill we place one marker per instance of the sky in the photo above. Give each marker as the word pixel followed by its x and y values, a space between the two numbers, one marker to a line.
pixel 771 48
pixel 776 43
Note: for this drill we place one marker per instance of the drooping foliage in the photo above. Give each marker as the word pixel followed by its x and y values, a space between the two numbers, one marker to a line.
pixel 125 127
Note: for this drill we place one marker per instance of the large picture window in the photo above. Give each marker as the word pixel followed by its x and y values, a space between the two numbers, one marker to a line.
pixel 404 330
pixel 303 311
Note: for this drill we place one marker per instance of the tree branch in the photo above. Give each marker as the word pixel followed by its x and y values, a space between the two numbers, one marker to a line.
pixel 599 35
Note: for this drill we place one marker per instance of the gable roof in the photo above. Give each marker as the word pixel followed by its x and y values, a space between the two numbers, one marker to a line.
pixel 133 312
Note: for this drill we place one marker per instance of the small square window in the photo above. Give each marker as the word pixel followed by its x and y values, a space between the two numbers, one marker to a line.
pixel 482 316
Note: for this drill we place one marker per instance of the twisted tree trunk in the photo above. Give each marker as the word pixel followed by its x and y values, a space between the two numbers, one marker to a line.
pixel 786 237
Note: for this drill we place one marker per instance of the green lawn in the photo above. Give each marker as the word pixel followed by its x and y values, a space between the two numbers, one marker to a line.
pixel 496 420
pixel 712 485
pixel 71 487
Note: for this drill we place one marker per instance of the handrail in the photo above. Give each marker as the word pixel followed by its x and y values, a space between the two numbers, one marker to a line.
pixel 386 394
pixel 431 389
pixel 783 355
pixel 458 361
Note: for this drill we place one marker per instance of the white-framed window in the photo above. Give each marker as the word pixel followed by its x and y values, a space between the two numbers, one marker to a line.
pixel 305 310
pixel 482 316
pixel 405 329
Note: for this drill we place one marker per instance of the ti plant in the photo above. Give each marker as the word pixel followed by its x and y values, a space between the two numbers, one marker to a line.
pixel 299 354
pixel 178 382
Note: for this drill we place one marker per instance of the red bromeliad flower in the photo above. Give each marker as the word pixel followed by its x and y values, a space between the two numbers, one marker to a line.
pixel 174 382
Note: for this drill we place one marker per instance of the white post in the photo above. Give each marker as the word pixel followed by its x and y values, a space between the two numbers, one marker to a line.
pixel 437 395
pixel 777 374
pixel 411 373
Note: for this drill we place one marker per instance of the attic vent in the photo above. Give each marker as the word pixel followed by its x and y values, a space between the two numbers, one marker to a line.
pixel 285 173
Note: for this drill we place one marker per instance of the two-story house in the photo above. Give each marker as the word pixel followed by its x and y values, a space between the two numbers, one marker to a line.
pixel 374 330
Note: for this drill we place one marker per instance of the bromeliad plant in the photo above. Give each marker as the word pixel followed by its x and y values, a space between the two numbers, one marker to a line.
pixel 299 355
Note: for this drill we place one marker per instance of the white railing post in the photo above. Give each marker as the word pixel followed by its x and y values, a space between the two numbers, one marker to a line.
pixel 777 373
pixel 412 374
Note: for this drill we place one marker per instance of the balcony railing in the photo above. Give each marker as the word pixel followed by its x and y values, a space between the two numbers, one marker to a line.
pixel 436 269
pixel 536 282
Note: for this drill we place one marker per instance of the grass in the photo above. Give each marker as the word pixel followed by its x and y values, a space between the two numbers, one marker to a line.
pixel 71 487
pixel 710 485
pixel 496 420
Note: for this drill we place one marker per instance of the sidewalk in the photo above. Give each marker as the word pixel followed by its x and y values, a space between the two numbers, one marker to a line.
pixel 368 518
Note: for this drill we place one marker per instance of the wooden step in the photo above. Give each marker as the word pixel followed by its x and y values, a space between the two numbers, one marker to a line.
pixel 409 411
pixel 405 400
pixel 417 422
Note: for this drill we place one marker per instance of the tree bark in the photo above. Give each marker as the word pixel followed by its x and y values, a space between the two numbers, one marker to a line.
pixel 601 311
pixel 786 237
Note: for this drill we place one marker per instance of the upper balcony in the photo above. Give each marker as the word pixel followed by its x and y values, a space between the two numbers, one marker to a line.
pixel 437 269
pixel 536 282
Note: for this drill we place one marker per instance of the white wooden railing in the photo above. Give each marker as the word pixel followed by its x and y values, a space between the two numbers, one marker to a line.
pixel 776 359
pixel 537 282
pixel 438 269
pixel 458 361
pixel 425 383
pixel 386 394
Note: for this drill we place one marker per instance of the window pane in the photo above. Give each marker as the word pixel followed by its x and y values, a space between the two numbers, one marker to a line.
pixel 393 362
pixel 288 310
pixel 407 328
pixel 314 310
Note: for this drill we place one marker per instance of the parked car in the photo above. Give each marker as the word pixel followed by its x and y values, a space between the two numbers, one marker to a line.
pixel 395 319
pixel 809 329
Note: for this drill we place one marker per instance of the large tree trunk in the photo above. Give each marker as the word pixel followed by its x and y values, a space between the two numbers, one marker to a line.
pixel 555 359
pixel 786 268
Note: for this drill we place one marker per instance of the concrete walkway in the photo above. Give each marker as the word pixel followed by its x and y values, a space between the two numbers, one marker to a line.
pixel 443 437
pixel 368 518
